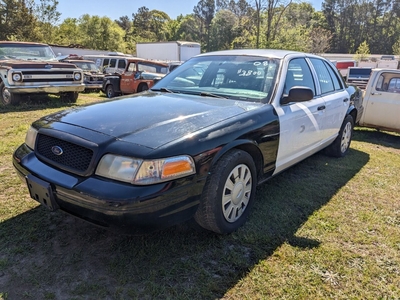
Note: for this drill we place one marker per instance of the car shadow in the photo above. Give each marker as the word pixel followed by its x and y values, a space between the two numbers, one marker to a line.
pixel 56 252
pixel 377 137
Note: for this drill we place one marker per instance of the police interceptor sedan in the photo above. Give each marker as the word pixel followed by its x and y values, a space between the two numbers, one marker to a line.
pixel 195 146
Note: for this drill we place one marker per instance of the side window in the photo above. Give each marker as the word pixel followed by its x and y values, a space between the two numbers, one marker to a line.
pixel 324 78
pixel 132 67
pixel 298 74
pixel 106 62
pixel 380 86
pixel 113 63
pixel 394 85
pixel 337 83
pixel 121 64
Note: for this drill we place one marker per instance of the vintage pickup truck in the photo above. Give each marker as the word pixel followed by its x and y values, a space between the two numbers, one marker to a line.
pixel 32 68
pixel 382 100
pixel 139 75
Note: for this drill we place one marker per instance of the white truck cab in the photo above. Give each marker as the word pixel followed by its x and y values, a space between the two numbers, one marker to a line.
pixel 382 100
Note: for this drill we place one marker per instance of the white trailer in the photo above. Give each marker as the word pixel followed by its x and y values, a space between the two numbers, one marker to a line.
pixel 168 51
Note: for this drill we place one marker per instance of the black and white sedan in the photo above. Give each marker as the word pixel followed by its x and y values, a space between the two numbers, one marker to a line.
pixel 194 146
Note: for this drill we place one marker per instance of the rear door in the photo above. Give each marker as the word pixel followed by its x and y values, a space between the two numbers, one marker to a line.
pixel 336 98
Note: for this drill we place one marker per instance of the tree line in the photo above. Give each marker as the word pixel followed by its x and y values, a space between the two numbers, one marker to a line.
pixel 342 26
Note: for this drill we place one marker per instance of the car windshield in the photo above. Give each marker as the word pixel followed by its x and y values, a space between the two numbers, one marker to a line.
pixel 249 78
pixel 26 52
pixel 86 66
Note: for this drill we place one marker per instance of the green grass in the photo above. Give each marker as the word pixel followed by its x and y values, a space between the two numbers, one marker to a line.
pixel 326 228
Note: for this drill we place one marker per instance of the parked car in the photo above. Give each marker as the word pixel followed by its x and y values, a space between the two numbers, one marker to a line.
pixel 92 76
pixel 140 75
pixel 189 149
pixel 32 68
pixel 382 101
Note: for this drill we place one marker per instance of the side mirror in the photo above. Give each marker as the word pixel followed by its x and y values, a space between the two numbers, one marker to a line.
pixel 298 94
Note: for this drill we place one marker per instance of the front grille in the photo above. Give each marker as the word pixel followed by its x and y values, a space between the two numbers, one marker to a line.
pixel 74 157
pixel 47 76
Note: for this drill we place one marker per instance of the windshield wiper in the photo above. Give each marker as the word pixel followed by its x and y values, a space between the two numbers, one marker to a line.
pixel 164 90
pixel 206 94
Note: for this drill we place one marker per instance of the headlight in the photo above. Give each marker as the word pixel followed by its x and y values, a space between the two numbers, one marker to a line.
pixel 16 77
pixel 30 138
pixel 77 76
pixel 143 172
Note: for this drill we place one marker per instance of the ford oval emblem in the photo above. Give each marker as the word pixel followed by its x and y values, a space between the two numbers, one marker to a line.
pixel 57 150
pixel 48 66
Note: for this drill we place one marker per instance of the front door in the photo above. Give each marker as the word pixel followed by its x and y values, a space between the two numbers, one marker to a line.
pixel 128 79
pixel 300 123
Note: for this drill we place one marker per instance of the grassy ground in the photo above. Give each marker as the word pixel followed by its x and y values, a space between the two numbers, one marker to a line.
pixel 326 228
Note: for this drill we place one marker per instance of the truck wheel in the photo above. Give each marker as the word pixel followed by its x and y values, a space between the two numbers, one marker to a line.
pixel 110 91
pixel 8 98
pixel 228 194
pixel 143 87
pixel 341 144
pixel 70 97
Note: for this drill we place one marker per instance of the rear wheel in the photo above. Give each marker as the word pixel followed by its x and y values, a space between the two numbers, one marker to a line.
pixel 228 194
pixel 70 97
pixel 110 91
pixel 8 98
pixel 341 144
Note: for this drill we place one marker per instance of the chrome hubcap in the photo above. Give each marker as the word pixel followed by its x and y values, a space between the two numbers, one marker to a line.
pixel 346 137
pixel 6 96
pixel 236 193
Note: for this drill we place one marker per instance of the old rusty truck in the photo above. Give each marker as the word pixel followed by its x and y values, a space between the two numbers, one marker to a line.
pixel 32 68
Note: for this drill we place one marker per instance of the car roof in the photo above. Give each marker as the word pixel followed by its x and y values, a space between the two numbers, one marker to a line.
pixel 138 59
pixel 78 60
pixel 275 53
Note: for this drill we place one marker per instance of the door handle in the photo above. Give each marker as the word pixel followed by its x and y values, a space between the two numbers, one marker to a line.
pixel 376 93
pixel 321 107
pixel 345 99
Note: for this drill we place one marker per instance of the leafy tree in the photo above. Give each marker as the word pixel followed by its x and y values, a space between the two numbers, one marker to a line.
pixel 69 33
pixel 318 40
pixel 16 20
pixel 396 48
pixel 223 30
pixel 362 52
pixel 48 17
pixel 204 12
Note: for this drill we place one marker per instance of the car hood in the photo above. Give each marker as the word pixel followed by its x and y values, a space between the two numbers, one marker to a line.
pixel 152 119
pixel 39 64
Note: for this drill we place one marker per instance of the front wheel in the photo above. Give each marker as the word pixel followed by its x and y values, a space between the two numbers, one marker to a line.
pixel 143 87
pixel 228 194
pixel 70 97
pixel 8 98
pixel 110 91
pixel 341 144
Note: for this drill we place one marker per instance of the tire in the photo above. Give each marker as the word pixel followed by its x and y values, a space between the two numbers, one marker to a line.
pixel 341 144
pixel 8 98
pixel 227 198
pixel 110 93
pixel 70 97
pixel 143 87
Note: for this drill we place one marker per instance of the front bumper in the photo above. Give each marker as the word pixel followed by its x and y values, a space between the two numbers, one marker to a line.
pixel 93 86
pixel 46 88
pixel 111 204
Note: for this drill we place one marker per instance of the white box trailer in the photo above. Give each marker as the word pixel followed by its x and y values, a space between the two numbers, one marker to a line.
pixel 168 51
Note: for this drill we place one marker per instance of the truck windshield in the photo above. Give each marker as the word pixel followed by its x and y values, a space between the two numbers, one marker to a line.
pixel 248 78
pixel 26 52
